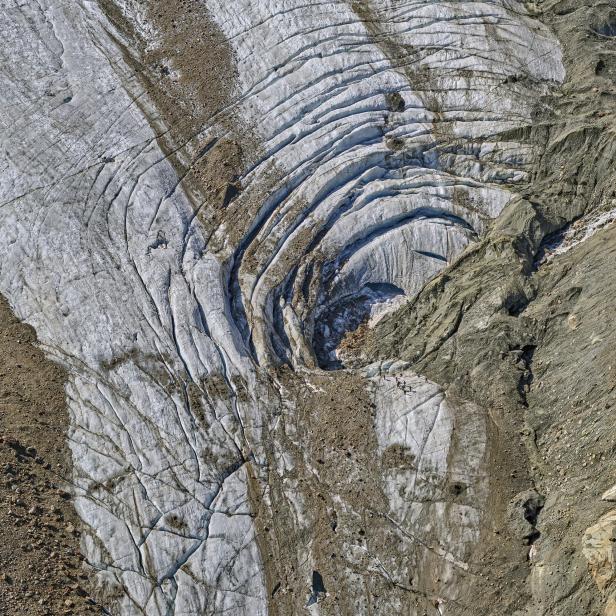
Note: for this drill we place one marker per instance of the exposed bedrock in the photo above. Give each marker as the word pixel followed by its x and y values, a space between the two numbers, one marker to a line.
pixel 202 204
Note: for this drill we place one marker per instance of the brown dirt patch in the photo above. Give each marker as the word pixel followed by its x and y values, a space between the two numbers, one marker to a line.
pixel 188 71
pixel 41 569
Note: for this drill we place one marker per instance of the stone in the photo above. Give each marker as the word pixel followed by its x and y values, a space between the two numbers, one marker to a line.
pixel 599 549
pixel 609 495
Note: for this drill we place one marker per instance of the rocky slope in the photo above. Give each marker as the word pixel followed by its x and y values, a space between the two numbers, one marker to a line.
pixel 331 286
pixel 521 325
pixel 42 568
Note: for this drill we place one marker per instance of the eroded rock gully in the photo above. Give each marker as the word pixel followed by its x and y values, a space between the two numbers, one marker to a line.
pixel 332 287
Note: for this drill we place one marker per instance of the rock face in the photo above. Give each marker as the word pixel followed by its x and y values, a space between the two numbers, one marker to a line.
pixel 599 551
pixel 311 273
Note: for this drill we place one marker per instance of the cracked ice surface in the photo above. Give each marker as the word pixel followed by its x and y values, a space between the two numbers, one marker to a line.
pixel 158 454
pixel 445 441
pixel 384 117
pixel 382 122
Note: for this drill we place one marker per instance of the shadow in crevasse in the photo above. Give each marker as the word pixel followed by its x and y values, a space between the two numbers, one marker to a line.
pixel 346 315
pixel 607 29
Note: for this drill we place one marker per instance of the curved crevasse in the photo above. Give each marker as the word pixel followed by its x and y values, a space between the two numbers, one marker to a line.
pixel 376 114
pixel 157 441
pixel 382 153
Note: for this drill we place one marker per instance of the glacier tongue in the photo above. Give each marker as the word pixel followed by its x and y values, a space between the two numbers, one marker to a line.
pixel 376 154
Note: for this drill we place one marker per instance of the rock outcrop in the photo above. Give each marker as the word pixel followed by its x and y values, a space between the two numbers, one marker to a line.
pixel 331 285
